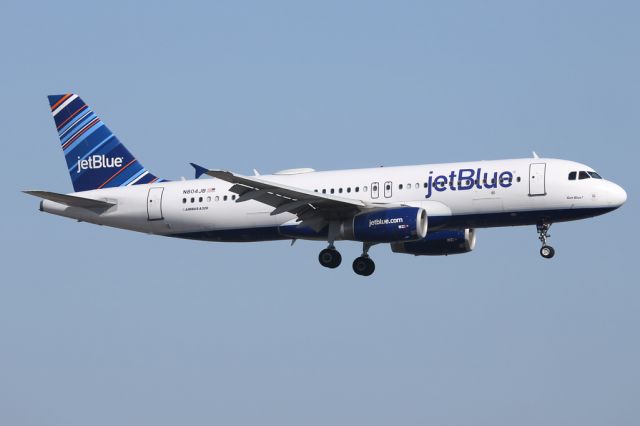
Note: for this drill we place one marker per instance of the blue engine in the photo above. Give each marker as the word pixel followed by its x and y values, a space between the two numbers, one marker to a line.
pixel 388 225
pixel 439 243
pixel 378 226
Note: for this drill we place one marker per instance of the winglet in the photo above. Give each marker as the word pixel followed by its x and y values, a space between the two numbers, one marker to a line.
pixel 199 170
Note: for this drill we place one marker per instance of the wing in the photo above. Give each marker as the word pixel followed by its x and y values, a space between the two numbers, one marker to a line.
pixel 312 208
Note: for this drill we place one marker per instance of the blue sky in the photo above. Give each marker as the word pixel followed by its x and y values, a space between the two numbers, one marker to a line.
pixel 102 326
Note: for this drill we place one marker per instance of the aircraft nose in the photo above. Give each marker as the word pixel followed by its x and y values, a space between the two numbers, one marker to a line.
pixel 617 195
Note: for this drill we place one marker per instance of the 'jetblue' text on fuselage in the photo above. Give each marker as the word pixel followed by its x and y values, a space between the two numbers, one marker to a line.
pixel 465 179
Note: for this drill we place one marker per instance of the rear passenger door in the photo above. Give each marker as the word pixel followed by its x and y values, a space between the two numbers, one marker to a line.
pixel 154 203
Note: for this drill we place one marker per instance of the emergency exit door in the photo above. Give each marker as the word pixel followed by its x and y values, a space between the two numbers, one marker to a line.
pixel 375 190
pixel 154 203
pixel 388 189
pixel 537 179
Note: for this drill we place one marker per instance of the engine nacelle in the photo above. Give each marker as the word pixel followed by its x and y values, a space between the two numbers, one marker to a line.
pixel 438 243
pixel 386 225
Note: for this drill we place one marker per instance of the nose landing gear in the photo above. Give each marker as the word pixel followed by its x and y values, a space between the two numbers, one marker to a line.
pixel 543 233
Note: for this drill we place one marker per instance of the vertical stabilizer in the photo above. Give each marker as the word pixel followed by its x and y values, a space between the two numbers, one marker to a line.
pixel 95 157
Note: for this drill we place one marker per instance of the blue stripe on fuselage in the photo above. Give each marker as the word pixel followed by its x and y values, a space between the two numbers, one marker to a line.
pixel 486 220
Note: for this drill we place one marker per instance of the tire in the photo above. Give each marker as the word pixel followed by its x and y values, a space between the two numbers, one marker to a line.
pixel 547 252
pixel 363 266
pixel 330 258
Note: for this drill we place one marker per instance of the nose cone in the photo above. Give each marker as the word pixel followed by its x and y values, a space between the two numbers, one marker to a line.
pixel 616 195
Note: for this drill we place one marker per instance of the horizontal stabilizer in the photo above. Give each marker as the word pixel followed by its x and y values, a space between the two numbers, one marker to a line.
pixel 71 200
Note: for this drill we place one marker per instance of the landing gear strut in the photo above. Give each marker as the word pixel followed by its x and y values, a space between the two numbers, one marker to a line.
pixel 543 233
pixel 363 265
pixel 330 257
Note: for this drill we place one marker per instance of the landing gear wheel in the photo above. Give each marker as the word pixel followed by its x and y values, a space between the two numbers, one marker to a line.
pixel 543 234
pixel 364 266
pixel 330 258
pixel 547 252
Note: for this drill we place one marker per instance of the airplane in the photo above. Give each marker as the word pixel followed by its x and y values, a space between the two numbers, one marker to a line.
pixel 429 209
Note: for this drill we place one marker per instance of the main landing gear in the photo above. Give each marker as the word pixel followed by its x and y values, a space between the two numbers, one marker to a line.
pixel 363 265
pixel 543 233
pixel 330 257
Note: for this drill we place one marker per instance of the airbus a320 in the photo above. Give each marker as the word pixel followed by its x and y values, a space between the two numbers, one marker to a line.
pixel 429 209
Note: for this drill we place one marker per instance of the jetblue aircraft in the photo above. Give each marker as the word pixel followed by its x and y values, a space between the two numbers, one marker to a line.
pixel 430 209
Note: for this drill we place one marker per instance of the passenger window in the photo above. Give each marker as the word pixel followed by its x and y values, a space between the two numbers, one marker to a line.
pixel 349 189
pixel 332 190
pixel 426 184
pixel 217 198
pixel 224 198
pixel 208 199
pixel 364 188
pixel 583 175
pixel 572 176
pixel 340 190
pixel 408 186
pixel 595 175
pixel 193 200
pixel 357 189
pixel 400 186
pixel 200 199
pixel 184 201
pixel 324 191
pixel 518 179
pixel 417 185
pixel 233 197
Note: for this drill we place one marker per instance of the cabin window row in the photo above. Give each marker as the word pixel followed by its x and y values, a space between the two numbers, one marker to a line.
pixel 401 186
pixel 340 190
pixel 208 199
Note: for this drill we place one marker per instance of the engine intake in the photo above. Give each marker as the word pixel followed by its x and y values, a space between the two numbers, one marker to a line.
pixel 439 243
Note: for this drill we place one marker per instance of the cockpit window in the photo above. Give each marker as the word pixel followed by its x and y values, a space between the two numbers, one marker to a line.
pixel 595 175
pixel 572 175
pixel 583 175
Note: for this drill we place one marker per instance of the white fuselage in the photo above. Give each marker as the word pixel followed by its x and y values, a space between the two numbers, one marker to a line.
pixel 454 195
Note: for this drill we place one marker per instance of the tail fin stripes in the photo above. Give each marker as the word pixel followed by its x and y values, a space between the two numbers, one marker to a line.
pixel 95 157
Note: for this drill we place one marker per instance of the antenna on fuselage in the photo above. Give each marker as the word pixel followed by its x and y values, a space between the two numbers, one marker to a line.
pixel 534 154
